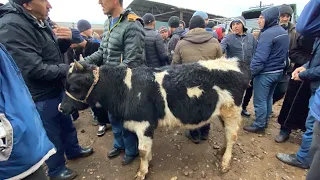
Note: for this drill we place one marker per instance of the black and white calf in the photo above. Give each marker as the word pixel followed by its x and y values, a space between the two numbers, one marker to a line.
pixel 189 95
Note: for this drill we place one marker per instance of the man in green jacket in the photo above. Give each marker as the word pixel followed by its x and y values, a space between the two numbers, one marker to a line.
pixel 122 45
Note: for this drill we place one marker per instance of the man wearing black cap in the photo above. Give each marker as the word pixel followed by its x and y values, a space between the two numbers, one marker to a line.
pixel 25 32
pixel 241 45
pixel 85 29
pixel 176 33
pixel 155 49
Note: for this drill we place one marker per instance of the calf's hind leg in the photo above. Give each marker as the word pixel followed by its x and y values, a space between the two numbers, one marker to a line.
pixel 232 120
pixel 145 146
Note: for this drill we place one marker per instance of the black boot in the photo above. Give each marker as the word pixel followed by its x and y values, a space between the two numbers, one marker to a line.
pixel 66 174
pixel 195 140
pixel 282 137
pixel 114 153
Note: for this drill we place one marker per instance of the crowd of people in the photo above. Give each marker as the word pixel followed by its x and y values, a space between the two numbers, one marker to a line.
pixel 36 55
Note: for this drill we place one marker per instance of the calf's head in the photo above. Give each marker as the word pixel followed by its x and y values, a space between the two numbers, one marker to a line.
pixel 79 81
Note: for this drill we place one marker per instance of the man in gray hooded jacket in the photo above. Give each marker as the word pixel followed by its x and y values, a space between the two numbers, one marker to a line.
pixel 241 45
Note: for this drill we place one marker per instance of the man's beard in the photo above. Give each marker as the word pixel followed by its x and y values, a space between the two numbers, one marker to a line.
pixel 284 25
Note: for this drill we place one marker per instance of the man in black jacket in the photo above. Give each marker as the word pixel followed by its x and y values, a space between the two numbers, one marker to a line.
pixel 29 39
pixel 155 50
pixel 294 110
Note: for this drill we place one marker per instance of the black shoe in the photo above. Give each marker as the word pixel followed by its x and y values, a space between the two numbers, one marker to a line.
pixel 84 152
pixel 253 129
pixel 281 138
pixel 114 153
pixel 128 159
pixel 193 139
pixel 101 130
pixel 291 159
pixel 66 174
pixel 204 137
pixel 244 112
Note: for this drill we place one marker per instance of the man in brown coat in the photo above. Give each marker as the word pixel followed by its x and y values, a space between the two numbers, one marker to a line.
pixel 198 44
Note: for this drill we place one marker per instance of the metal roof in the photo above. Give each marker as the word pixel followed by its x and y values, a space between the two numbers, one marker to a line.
pixel 163 12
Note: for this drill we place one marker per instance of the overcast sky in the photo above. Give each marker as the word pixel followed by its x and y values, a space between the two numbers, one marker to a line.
pixel 74 10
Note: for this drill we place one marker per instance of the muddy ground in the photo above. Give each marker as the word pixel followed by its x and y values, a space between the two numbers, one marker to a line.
pixel 174 156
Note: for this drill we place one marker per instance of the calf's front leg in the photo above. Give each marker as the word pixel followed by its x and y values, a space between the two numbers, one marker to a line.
pixel 232 120
pixel 145 147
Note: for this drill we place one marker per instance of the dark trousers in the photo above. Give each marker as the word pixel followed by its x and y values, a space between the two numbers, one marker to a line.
pixel 281 88
pixel 201 132
pixel 247 96
pixel 313 173
pixel 61 133
pixel 101 115
pixel 37 175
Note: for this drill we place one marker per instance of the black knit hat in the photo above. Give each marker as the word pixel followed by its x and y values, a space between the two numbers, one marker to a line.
pixel 197 22
pixel 148 18
pixel 20 2
pixel 174 22
pixel 286 9
pixel 83 25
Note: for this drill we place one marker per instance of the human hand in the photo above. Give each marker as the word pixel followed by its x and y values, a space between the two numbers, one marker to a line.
pixel 62 32
pixel 295 74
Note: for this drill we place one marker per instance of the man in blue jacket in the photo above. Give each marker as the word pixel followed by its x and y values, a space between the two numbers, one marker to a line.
pixel 24 145
pixel 308 25
pixel 25 32
pixel 267 66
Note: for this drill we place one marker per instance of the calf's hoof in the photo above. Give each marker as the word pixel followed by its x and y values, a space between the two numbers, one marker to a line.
pixel 140 176
pixel 225 168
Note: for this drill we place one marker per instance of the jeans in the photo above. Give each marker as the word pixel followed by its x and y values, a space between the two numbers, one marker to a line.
pixel 123 138
pixel 303 154
pixel 313 173
pixel 61 133
pixel 263 89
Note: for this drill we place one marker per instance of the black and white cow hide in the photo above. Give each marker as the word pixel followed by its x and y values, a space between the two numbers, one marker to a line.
pixel 188 95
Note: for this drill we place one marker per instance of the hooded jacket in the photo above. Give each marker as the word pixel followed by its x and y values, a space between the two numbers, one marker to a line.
pixel 308 22
pixel 35 50
pixel 239 46
pixel 196 45
pixel 219 33
pixel 24 145
pixel 308 25
pixel 273 45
